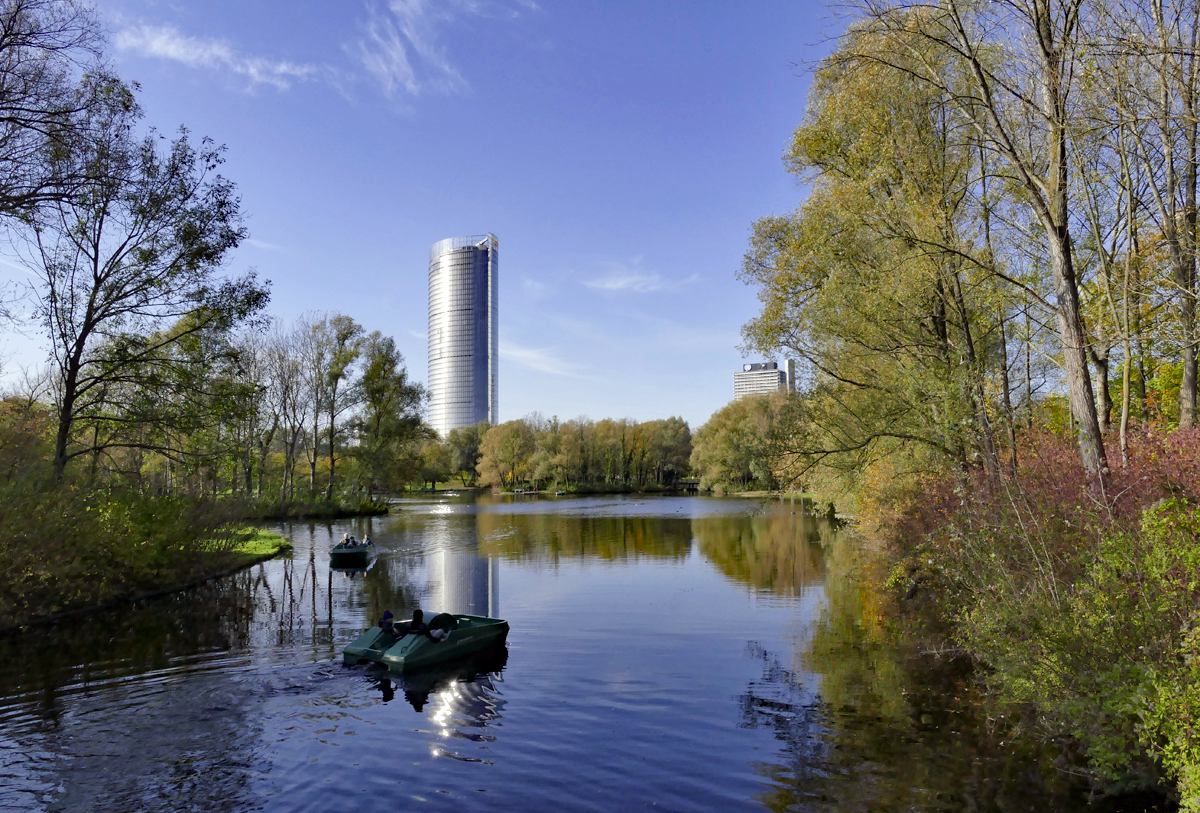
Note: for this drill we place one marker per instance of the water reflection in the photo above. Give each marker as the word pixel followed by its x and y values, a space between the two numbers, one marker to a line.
pixel 460 579
pixel 546 536
pixel 777 549
pixel 725 657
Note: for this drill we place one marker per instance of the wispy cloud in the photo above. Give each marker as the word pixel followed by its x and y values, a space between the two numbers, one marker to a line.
pixel 168 42
pixel 641 283
pixel 263 245
pixel 401 47
pixel 538 358
pixel 402 38
pixel 624 278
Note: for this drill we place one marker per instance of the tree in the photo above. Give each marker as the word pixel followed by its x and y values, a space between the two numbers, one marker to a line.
pixel 884 282
pixel 434 462
pixel 464 444
pixel 389 420
pixel 670 449
pixel 44 113
pixel 732 448
pixel 504 452
pixel 343 338
pixel 136 247
pixel 1006 70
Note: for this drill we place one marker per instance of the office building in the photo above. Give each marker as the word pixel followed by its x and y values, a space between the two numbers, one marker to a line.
pixel 759 378
pixel 463 342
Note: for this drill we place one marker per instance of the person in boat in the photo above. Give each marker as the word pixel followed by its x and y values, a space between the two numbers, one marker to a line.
pixel 367 541
pixel 388 622
pixel 345 543
pixel 418 627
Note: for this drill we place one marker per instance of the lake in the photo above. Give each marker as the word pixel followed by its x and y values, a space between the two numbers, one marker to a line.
pixel 666 653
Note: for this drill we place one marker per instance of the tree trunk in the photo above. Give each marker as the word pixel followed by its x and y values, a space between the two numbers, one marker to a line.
pixel 1185 278
pixel 332 429
pixel 66 416
pixel 1074 343
pixel 1104 407
pixel 1010 419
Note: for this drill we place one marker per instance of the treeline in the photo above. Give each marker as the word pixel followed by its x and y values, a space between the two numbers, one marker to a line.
pixel 999 252
pixel 579 454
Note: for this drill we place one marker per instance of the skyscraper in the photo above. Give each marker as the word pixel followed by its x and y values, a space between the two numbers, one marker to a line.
pixel 463 354
pixel 759 378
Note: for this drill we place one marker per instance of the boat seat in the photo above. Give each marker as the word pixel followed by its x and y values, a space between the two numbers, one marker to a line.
pixel 443 621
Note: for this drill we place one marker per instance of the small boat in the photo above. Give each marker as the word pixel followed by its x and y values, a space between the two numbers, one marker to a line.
pixel 343 556
pixel 465 634
pixel 560 493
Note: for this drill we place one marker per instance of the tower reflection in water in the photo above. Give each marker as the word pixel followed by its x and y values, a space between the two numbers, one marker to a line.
pixel 460 580
pixel 465 697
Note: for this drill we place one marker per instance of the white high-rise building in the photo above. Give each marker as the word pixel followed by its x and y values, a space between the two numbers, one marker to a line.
pixel 758 379
pixel 463 331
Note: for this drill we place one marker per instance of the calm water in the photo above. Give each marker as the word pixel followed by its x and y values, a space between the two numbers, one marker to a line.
pixel 669 653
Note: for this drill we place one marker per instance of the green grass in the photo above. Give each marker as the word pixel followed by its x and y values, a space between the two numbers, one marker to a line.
pixel 261 542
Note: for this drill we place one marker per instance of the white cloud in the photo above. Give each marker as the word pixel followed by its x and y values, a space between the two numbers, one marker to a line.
pixel 167 42
pixel 400 44
pixel 539 359
pixel 260 244
pixel 641 283
pixel 402 39
pixel 637 281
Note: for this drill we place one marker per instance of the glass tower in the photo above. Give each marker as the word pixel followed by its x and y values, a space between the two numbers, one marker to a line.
pixel 463 352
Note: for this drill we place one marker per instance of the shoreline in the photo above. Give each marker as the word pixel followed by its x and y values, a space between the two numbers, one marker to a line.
pixel 250 560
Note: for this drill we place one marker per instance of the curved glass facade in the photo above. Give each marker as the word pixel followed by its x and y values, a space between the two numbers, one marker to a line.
pixel 463 354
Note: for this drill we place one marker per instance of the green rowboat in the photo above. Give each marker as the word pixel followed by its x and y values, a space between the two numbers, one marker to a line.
pixel 465 634
pixel 344 556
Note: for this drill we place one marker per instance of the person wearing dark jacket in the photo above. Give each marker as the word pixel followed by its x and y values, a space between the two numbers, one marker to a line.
pixel 418 627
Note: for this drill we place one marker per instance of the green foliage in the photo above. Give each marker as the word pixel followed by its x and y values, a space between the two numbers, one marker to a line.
pixel 464 446
pixel 504 452
pixel 67 546
pixel 1097 642
pixel 606 455
pixel 733 450
pixel 434 462
pixel 388 427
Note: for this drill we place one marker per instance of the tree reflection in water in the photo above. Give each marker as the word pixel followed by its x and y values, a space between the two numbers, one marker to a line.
pixel 777 550
pixel 550 537
pixel 865 722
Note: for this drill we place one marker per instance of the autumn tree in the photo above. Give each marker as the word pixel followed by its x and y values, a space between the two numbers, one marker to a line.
pixel 128 269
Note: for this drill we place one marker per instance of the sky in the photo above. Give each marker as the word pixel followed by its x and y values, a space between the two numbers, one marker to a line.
pixel 620 152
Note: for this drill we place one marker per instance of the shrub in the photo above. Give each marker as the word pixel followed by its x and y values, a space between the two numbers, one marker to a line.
pixel 1084 603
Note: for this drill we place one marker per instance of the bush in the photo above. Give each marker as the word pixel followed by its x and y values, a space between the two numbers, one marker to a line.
pixel 1083 603
pixel 65 546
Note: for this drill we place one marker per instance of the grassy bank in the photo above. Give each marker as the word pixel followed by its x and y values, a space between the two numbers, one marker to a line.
pixel 68 546
pixel 1081 601
pixel 260 543
pixel 312 510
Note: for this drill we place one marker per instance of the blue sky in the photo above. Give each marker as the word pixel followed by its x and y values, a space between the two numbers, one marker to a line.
pixel 619 151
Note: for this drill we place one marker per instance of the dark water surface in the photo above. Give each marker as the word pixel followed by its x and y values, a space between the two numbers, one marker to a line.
pixel 666 653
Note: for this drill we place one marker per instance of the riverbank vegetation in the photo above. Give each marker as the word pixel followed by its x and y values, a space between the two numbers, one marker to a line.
pixel 581 454
pixel 991 290
pixel 172 408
